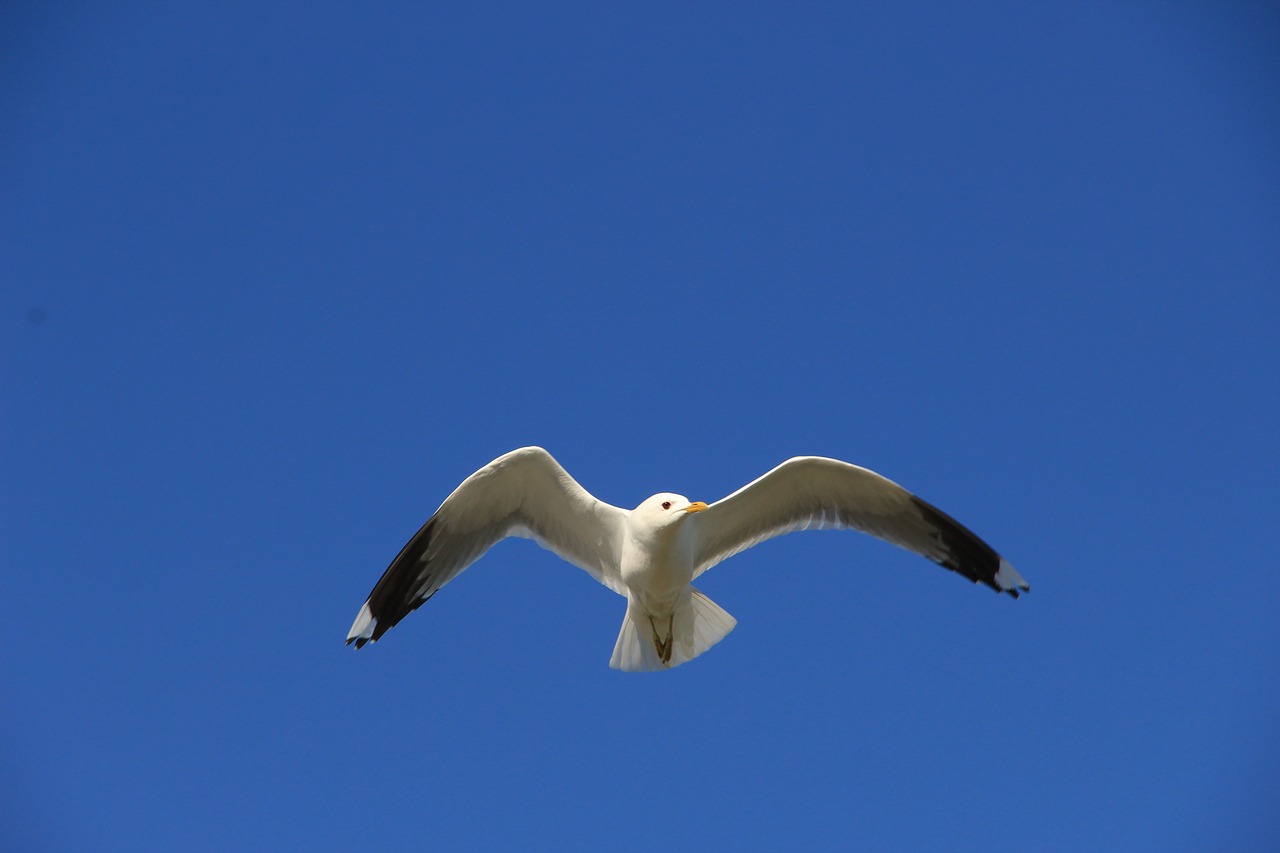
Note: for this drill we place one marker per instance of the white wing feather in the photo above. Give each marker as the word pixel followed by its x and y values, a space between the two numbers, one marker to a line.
pixel 815 493
pixel 522 493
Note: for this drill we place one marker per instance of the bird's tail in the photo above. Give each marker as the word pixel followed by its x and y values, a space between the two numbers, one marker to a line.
pixel 646 644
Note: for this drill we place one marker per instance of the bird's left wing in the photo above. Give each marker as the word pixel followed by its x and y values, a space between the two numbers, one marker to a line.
pixel 814 493
pixel 523 493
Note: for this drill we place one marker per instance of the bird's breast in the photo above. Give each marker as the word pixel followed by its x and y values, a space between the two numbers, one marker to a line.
pixel 657 571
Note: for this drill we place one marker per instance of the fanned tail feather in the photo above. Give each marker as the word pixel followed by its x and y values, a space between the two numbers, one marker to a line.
pixel 698 625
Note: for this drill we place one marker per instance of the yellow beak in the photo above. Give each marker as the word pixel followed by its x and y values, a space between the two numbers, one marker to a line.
pixel 696 506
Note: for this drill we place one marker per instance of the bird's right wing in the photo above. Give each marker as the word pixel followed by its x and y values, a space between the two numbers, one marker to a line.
pixel 814 493
pixel 523 493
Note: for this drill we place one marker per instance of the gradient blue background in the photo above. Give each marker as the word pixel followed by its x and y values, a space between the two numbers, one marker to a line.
pixel 278 276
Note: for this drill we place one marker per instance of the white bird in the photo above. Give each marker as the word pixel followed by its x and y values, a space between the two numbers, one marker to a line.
pixel 652 554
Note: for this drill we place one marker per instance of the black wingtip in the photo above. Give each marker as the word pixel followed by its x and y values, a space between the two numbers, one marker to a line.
pixel 1016 591
pixel 393 597
pixel 965 553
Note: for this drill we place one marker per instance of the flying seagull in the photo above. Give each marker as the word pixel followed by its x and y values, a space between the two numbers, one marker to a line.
pixel 652 554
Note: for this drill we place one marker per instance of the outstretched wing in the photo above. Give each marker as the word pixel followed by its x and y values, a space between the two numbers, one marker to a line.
pixel 524 493
pixel 813 493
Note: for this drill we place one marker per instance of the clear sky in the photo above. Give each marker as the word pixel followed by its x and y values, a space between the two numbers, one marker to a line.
pixel 277 277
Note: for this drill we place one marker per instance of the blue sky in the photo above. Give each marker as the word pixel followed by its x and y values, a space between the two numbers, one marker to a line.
pixel 277 279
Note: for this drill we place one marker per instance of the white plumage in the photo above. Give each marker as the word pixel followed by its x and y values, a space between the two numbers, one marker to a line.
pixel 651 554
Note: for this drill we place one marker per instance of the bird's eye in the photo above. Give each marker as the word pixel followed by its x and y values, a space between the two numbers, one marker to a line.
pixel 666 504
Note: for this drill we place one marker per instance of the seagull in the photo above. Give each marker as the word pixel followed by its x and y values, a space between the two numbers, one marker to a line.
pixel 652 554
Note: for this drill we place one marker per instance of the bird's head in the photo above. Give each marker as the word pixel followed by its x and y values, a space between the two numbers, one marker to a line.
pixel 666 510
